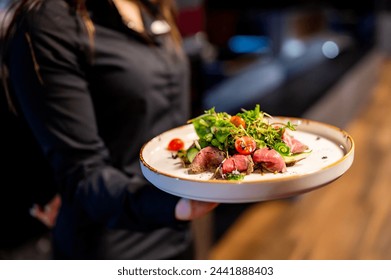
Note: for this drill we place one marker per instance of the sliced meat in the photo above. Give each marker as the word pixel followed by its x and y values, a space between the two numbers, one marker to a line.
pixel 295 145
pixel 241 163
pixel 270 159
pixel 207 159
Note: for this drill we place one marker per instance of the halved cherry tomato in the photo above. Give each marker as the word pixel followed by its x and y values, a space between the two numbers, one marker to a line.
pixel 245 145
pixel 238 121
pixel 176 144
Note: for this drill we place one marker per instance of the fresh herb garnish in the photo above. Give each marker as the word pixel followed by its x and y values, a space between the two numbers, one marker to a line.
pixel 215 129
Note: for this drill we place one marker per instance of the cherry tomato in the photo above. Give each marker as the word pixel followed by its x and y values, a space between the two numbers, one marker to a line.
pixel 176 144
pixel 238 121
pixel 245 145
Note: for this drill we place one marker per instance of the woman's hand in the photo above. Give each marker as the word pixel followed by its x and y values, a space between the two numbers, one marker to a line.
pixel 47 214
pixel 187 210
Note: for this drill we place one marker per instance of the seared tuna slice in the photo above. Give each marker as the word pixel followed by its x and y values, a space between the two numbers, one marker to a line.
pixel 270 159
pixel 238 162
pixel 207 159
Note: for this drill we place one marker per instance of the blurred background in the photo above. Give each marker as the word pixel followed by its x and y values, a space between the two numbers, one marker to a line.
pixel 323 60
pixel 282 54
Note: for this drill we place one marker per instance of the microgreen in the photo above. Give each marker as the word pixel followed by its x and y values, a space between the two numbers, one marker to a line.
pixel 215 129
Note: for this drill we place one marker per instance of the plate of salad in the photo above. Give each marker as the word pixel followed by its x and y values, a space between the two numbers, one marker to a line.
pixel 247 157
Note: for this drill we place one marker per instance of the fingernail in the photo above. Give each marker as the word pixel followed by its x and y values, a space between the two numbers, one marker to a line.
pixel 183 209
pixel 33 212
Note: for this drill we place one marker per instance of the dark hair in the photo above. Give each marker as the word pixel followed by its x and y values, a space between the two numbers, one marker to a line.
pixel 7 28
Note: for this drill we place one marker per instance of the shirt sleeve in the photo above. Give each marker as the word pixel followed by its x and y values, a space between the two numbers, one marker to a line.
pixel 47 72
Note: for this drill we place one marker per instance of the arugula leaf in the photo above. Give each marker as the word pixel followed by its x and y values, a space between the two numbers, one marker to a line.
pixel 215 129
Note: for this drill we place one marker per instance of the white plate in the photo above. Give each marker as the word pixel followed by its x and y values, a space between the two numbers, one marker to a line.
pixel 332 155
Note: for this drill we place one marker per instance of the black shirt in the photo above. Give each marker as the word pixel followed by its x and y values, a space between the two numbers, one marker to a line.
pixel 91 106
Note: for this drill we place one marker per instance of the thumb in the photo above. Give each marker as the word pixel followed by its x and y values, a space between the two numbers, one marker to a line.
pixel 187 210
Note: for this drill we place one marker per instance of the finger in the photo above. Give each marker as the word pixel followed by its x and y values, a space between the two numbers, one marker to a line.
pixel 56 201
pixel 41 215
pixel 36 211
pixel 191 209
pixel 200 208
